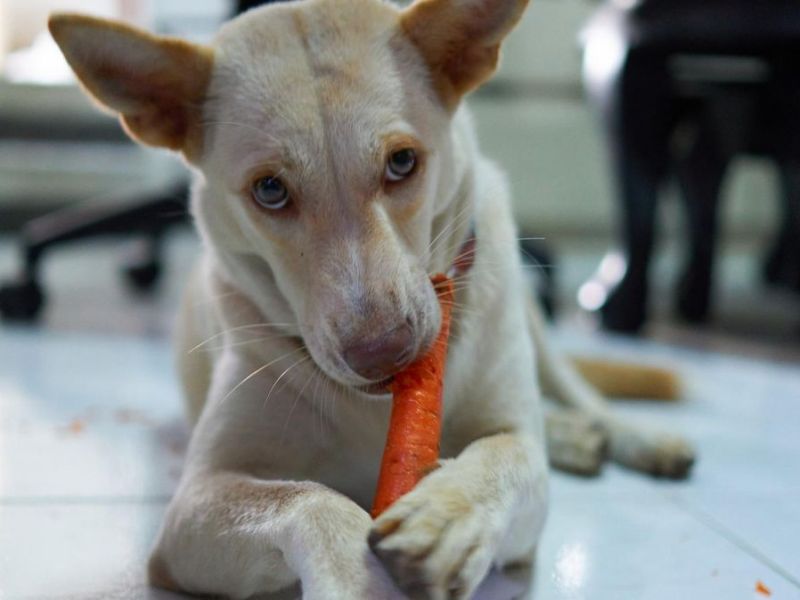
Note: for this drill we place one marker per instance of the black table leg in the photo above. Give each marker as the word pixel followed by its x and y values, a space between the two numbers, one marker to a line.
pixel 782 265
pixel 700 173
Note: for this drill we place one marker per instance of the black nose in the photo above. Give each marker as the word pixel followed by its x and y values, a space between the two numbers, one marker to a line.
pixel 378 357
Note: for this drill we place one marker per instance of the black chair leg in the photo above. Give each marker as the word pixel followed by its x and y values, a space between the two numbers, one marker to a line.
pixel 22 297
pixel 638 114
pixel 625 308
pixel 700 173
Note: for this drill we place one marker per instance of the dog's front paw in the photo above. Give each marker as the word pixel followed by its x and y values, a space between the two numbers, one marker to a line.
pixel 436 542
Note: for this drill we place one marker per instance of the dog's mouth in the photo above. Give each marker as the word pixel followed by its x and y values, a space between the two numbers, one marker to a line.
pixel 379 388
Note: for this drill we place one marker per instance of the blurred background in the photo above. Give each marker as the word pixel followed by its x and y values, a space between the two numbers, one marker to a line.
pixel 584 92
pixel 653 149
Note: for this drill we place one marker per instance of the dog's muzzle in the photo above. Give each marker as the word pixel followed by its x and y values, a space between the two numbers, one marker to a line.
pixel 383 355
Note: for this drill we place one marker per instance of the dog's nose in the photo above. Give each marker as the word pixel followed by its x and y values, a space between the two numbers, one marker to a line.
pixel 379 357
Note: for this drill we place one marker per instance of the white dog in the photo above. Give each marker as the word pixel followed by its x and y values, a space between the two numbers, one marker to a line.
pixel 335 170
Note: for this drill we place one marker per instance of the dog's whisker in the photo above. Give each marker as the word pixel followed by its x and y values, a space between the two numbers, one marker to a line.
pixel 452 222
pixel 322 400
pixel 296 400
pixel 251 341
pixel 457 221
pixel 282 375
pixel 203 302
pixel 259 370
pixel 338 390
pixel 325 403
pixel 319 401
pixel 457 304
pixel 499 267
pixel 459 312
pixel 515 241
pixel 315 401
pixel 234 329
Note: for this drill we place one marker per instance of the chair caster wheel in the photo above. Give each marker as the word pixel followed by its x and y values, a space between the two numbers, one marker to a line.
pixel 142 276
pixel 141 267
pixel 21 300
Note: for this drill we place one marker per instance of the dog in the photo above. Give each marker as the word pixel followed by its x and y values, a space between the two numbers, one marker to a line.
pixel 336 168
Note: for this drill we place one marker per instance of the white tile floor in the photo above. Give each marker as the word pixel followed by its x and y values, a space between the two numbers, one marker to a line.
pixel 91 441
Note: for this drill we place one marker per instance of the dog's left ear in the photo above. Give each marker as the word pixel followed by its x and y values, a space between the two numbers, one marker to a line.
pixel 156 84
pixel 460 40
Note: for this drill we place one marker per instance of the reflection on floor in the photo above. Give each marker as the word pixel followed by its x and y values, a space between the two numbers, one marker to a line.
pixel 91 442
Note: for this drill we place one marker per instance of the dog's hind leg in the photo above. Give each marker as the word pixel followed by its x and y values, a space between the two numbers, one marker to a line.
pixel 576 442
pixel 636 447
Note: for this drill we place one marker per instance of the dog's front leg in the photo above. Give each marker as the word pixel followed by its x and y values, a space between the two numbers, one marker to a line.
pixel 485 506
pixel 234 535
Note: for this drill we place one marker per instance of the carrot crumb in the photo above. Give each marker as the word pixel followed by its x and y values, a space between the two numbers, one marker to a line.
pixel 762 589
pixel 76 426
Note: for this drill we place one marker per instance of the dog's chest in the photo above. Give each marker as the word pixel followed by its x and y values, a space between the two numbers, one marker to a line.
pixel 348 459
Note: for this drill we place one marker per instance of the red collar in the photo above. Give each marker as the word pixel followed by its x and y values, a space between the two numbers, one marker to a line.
pixel 466 255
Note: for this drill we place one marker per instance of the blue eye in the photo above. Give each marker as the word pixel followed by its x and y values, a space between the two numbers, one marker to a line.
pixel 270 192
pixel 400 164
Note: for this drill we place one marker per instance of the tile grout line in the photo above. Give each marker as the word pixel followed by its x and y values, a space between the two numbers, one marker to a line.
pixel 82 500
pixel 720 529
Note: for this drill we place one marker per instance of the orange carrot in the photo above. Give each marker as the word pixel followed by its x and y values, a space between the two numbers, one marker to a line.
pixel 412 442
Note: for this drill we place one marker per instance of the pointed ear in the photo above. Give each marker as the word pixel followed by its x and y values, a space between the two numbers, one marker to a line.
pixel 460 40
pixel 157 85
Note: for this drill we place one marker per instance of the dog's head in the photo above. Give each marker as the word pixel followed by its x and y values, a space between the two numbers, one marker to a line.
pixel 322 132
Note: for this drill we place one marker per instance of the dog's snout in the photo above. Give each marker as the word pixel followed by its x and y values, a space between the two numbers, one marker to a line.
pixel 383 355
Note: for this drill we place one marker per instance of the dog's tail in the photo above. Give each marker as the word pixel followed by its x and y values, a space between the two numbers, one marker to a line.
pixel 559 379
pixel 626 380
pixel 581 383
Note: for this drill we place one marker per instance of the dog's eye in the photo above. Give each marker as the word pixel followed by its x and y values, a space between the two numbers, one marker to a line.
pixel 270 193
pixel 401 164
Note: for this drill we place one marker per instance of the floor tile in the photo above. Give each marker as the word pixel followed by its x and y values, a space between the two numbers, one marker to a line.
pixel 74 550
pixel 87 416
pixel 765 525
pixel 642 549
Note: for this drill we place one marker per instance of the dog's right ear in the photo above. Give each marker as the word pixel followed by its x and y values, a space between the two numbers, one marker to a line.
pixel 460 40
pixel 156 84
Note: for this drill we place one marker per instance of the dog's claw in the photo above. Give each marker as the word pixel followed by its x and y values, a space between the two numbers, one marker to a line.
pixel 434 546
